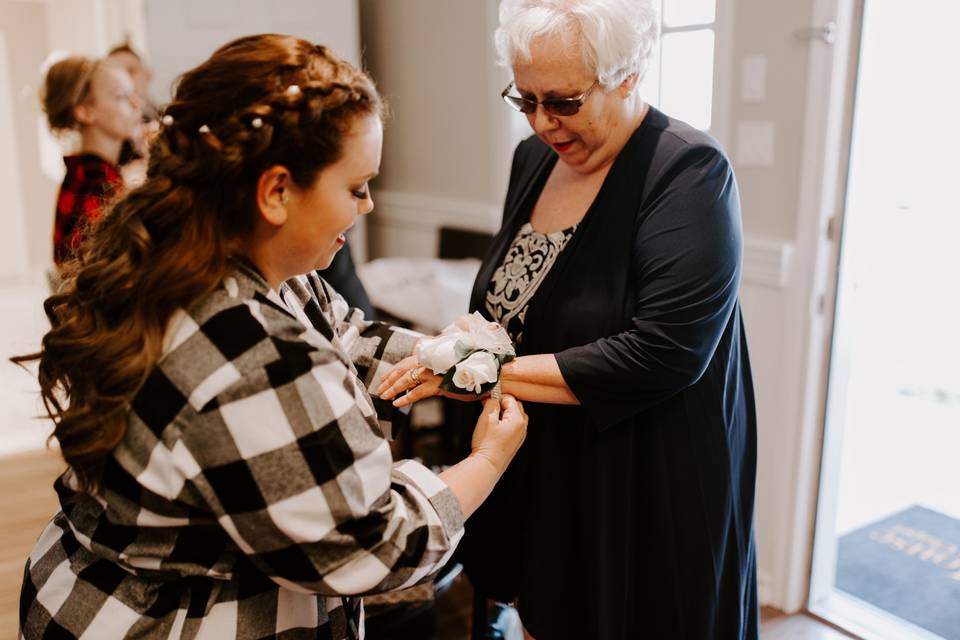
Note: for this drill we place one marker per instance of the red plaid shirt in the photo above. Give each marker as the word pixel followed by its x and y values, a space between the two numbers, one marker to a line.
pixel 90 182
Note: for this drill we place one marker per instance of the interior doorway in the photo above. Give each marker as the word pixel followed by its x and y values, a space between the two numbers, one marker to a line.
pixel 887 549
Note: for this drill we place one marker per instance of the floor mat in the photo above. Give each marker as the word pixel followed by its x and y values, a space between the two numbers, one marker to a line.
pixel 909 565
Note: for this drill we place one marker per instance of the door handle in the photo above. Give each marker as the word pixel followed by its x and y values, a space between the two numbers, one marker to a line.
pixel 826 33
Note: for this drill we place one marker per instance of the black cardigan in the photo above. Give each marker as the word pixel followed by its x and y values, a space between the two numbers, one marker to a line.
pixel 632 515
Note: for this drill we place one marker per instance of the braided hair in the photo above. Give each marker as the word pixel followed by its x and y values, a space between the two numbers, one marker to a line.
pixel 258 102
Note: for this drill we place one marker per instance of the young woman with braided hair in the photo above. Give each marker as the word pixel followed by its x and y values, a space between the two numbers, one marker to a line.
pixel 227 473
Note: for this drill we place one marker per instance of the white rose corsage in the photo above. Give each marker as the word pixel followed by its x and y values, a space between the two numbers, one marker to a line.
pixel 468 354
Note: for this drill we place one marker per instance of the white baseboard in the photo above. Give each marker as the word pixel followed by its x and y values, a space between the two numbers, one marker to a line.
pixel 766 261
pixel 764 588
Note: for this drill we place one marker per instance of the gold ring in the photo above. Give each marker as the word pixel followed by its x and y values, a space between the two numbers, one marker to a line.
pixel 415 375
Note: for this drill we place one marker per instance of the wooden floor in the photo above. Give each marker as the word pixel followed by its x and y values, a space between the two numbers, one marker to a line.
pixel 27 502
pixel 455 609
pixel 775 625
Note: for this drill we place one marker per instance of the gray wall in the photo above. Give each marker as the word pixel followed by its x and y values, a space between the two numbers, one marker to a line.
pixel 433 61
pixel 183 33
pixel 450 136
pixel 770 194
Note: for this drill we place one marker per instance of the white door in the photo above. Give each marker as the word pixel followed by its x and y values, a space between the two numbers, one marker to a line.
pixel 887 549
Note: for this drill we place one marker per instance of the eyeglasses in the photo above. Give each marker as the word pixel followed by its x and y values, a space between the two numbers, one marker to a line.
pixel 554 106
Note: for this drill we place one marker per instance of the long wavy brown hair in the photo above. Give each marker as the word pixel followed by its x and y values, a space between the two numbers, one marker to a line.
pixel 258 102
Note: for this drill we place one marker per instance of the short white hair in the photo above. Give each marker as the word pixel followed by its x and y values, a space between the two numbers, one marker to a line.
pixel 615 37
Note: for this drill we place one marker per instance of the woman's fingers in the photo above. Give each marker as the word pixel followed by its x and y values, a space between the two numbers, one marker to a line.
pixel 491 409
pixel 512 408
pixel 427 389
pixel 398 378
pixel 396 374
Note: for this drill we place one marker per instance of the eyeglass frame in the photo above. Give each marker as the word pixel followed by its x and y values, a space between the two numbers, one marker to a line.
pixel 579 101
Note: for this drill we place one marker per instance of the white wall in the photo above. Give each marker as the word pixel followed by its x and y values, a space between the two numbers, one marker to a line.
pixel 13 243
pixel 29 216
pixel 775 328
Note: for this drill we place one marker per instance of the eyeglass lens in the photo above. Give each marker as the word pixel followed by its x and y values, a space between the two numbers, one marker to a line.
pixel 556 107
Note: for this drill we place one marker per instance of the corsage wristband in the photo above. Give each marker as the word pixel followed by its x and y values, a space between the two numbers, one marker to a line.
pixel 469 354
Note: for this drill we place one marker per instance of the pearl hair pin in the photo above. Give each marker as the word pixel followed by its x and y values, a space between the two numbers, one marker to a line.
pixel 256 123
pixel 167 120
pixel 293 90
pixel 204 129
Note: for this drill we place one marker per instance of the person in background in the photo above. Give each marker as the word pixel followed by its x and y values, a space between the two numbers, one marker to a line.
pixel 629 512
pixel 228 477
pixel 95 98
pixel 134 150
pixel 131 61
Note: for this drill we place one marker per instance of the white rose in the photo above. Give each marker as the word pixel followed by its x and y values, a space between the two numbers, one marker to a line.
pixel 480 333
pixel 475 371
pixel 493 338
pixel 440 353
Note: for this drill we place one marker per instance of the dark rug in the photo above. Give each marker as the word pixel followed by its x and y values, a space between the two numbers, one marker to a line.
pixel 909 565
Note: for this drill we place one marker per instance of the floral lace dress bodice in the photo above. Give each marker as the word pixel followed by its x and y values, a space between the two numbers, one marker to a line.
pixel 525 266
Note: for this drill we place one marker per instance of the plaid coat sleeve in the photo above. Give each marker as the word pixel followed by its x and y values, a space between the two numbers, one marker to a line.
pixel 284 447
pixel 373 347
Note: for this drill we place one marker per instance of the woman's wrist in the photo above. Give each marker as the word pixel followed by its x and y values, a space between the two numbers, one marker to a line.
pixel 490 460
pixel 471 480
pixel 508 371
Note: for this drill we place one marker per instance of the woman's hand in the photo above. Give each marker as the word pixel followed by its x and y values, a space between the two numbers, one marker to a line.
pixel 418 382
pixel 500 431
pixel 407 375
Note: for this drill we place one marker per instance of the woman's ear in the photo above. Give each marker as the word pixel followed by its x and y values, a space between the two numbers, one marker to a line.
pixel 629 85
pixel 273 188
pixel 83 114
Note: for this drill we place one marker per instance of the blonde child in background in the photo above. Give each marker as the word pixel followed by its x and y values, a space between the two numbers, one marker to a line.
pixel 95 98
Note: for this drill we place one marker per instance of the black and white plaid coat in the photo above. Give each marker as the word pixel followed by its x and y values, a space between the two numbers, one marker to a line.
pixel 253 495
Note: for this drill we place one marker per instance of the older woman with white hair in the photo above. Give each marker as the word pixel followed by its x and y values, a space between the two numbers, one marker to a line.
pixel 629 511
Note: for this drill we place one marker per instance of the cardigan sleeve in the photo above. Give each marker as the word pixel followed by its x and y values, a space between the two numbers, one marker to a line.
pixel 686 259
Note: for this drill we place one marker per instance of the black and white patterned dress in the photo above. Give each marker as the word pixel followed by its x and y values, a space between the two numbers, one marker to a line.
pixel 527 263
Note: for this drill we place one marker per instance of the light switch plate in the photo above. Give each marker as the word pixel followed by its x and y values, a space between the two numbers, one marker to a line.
pixel 753 78
pixel 755 143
